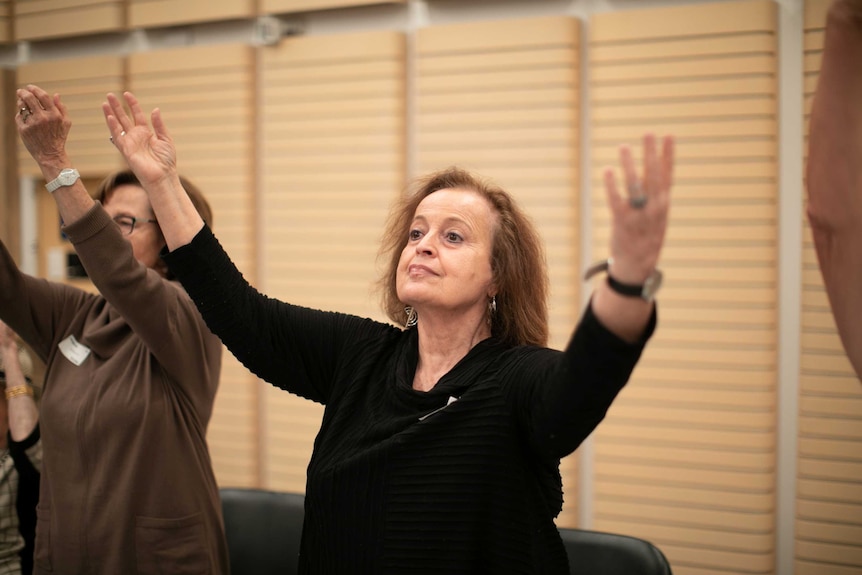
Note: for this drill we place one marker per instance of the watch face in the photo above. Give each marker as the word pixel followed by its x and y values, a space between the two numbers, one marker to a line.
pixel 651 285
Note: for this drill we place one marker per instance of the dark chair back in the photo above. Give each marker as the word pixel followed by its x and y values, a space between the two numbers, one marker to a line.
pixel 263 530
pixel 597 553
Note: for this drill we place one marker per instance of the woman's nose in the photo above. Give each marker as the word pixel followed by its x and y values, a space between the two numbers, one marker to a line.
pixel 425 245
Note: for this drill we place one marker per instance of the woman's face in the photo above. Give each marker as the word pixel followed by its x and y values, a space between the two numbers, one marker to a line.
pixel 130 201
pixel 446 264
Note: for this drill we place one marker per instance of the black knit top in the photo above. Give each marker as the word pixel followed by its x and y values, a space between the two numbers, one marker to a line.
pixel 463 478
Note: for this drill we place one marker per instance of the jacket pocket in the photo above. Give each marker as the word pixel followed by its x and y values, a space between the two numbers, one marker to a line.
pixel 42 555
pixel 171 545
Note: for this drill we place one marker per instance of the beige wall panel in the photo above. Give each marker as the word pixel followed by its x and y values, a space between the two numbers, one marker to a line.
pixel 818 568
pixel 753 64
pixel 490 119
pixel 26 7
pixel 149 13
pixel 476 38
pixel 816 426
pixel 705 73
pixel 333 139
pixel 82 84
pixel 678 496
pixel 488 62
pixel 707 439
pixel 695 88
pixel 826 447
pixel 274 6
pixel 732 539
pixel 5 21
pixel 728 18
pixel 10 220
pixel 42 19
pixel 719 481
pixel 206 95
pixel 732 318
pixel 688 46
pixel 829 493
pixel 501 99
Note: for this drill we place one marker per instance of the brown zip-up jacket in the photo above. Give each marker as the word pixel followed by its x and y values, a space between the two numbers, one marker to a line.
pixel 127 482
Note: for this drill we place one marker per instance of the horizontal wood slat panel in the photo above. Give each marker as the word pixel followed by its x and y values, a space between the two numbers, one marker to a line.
pixel 706 438
pixel 731 107
pixel 756 42
pixel 730 18
pixel 812 568
pixel 717 89
pixel 360 49
pixel 829 552
pixel 828 527
pixel 488 62
pixel 43 19
pixel 209 112
pixel 232 444
pixel 26 7
pixel 734 67
pixel 812 426
pixel 291 424
pixel 150 13
pixel 332 160
pixel 497 36
pixel 699 413
pixel 828 492
pixel 5 21
pixel 689 516
pixel 275 6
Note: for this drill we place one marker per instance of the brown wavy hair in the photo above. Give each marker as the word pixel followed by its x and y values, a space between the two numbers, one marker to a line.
pixel 127 177
pixel 517 257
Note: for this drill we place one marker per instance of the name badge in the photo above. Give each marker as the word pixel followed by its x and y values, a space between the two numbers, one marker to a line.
pixel 73 350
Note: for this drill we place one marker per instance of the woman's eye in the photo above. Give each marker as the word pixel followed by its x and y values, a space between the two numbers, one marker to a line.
pixel 453 237
pixel 415 234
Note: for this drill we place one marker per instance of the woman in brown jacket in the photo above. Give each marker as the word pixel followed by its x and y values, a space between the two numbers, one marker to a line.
pixel 132 373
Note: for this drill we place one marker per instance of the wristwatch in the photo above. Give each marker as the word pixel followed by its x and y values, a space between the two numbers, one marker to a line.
pixel 646 291
pixel 67 177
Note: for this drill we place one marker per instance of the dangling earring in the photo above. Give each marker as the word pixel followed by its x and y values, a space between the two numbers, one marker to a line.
pixel 412 316
pixel 492 305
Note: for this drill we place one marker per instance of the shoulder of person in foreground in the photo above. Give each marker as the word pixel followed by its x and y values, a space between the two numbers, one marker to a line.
pixel 834 172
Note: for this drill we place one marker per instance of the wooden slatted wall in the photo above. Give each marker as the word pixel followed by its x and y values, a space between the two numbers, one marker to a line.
pixel 686 457
pixel 275 6
pixel 10 219
pixel 144 13
pixel 206 95
pixel 829 466
pixel 41 19
pixel 82 84
pixel 501 99
pixel 332 127
pixel 5 21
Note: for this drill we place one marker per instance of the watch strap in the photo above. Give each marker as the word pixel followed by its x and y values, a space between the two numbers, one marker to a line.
pixel 646 291
pixel 629 290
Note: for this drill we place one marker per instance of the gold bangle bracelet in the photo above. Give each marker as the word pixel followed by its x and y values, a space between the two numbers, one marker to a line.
pixel 19 390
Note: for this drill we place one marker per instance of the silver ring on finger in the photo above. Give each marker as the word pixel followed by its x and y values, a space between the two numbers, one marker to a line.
pixel 637 199
pixel 25 113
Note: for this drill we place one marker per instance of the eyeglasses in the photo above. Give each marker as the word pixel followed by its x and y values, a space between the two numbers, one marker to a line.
pixel 127 223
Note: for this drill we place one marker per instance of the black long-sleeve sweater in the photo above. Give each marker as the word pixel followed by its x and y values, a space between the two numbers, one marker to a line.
pixel 463 478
